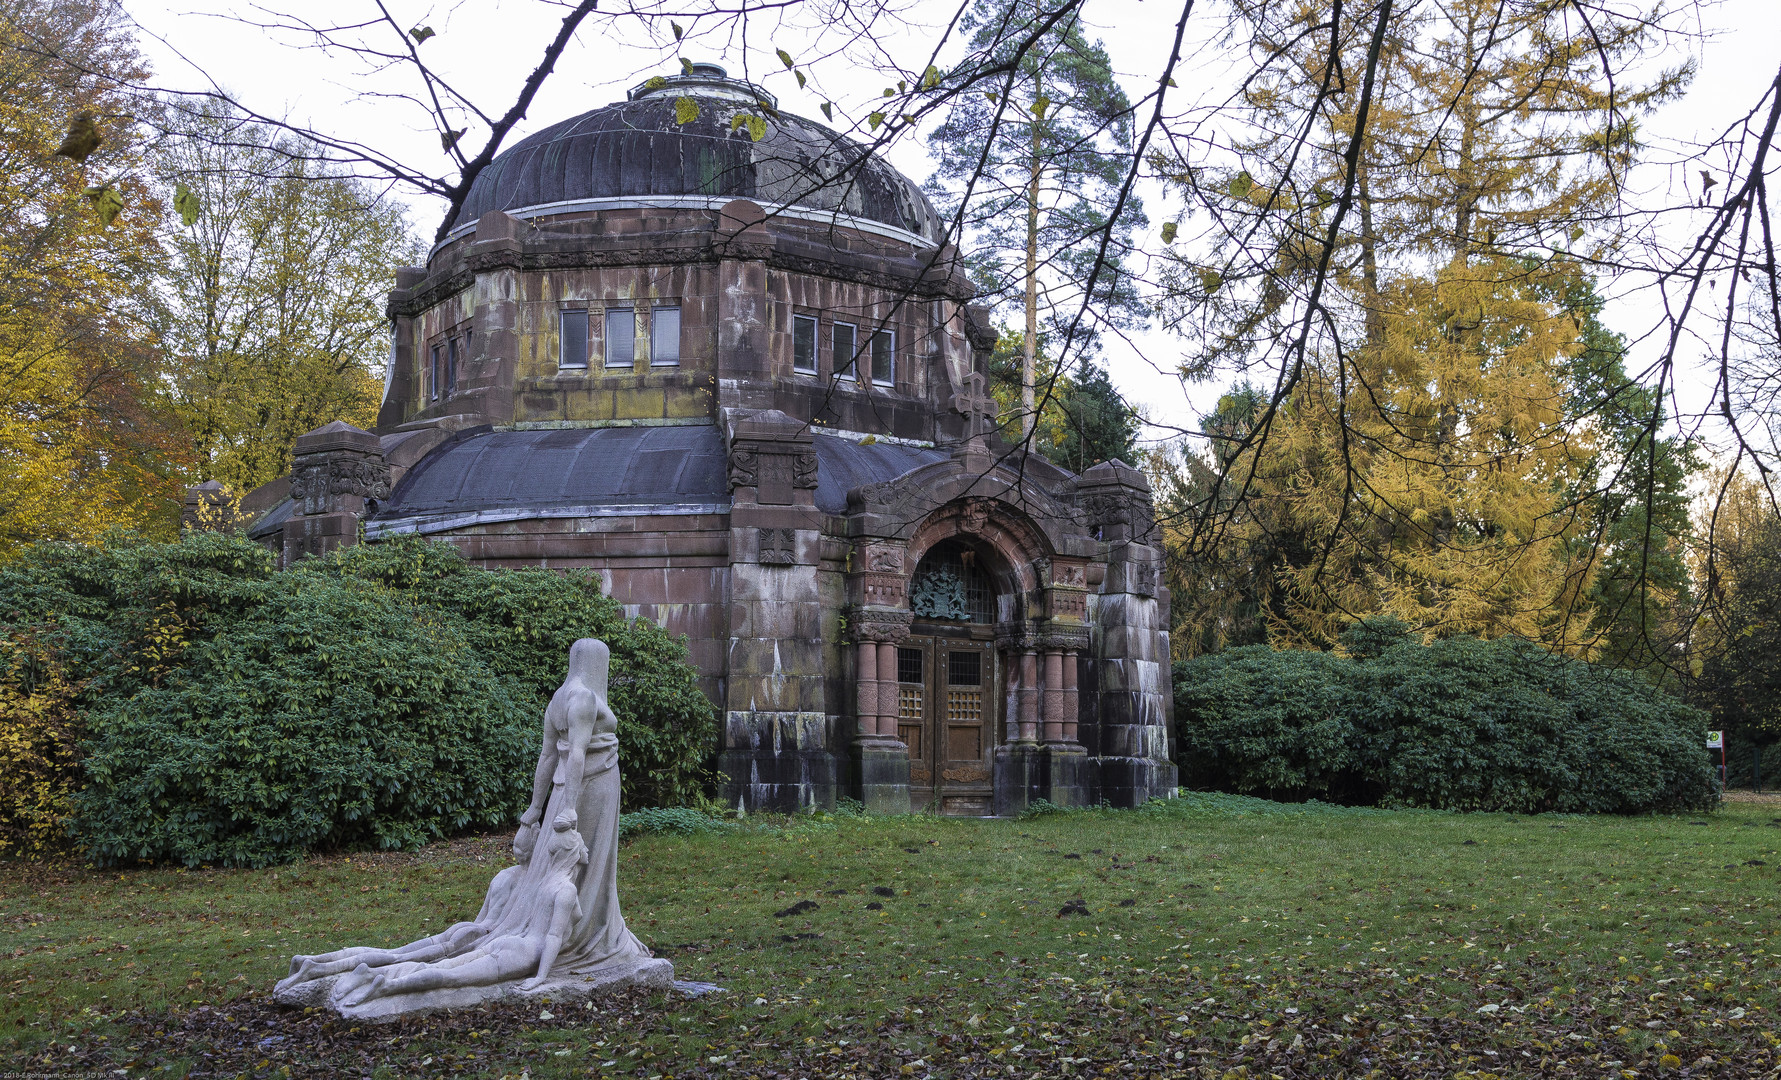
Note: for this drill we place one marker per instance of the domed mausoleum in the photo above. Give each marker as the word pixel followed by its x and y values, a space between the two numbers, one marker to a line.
pixel 742 380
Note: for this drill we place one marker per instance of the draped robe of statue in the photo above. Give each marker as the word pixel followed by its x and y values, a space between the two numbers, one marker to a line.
pixel 550 925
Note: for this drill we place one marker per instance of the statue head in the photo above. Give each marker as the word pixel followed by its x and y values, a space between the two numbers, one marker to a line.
pixel 567 848
pixel 589 660
pixel 523 842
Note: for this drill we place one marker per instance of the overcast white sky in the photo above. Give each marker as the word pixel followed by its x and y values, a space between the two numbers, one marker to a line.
pixel 488 47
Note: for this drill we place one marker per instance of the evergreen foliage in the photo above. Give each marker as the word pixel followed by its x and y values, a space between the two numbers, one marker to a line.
pixel 384 696
pixel 1033 172
pixel 1458 724
pixel 1082 422
pixel 1739 644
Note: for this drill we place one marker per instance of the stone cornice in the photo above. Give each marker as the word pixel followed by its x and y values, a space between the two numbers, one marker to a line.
pixel 672 247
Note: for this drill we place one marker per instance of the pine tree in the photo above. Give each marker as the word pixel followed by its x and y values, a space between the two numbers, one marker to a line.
pixel 1033 170
pixel 1098 425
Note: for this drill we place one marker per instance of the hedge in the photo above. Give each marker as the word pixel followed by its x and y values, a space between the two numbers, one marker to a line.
pixel 1459 724
pixel 384 696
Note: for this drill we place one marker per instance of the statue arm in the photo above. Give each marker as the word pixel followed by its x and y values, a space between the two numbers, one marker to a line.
pixel 547 766
pixel 562 914
pixel 582 725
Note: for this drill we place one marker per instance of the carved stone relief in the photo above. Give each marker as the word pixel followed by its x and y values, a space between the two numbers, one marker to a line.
pixel 317 486
pixel 778 547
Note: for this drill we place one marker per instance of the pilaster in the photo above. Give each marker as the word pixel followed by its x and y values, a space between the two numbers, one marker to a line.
pixel 780 747
pixel 337 475
pixel 1133 706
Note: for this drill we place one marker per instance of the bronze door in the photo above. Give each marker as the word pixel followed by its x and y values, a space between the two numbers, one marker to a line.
pixel 946 697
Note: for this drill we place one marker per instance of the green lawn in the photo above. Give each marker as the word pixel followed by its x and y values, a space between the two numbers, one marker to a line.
pixel 1215 937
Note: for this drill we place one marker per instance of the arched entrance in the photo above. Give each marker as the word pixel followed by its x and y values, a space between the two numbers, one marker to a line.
pixel 948 710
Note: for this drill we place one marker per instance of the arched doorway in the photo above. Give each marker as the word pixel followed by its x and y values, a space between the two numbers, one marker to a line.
pixel 948 707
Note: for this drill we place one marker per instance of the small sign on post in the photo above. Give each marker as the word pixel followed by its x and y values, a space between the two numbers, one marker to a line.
pixel 1716 740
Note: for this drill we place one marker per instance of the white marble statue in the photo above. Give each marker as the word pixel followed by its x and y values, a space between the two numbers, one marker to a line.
pixel 549 925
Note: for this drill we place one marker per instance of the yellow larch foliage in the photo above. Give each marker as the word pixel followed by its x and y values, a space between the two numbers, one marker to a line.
pixel 1429 478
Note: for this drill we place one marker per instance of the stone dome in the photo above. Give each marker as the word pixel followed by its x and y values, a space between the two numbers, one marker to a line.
pixel 634 153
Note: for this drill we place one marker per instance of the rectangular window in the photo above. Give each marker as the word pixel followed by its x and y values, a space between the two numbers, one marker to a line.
pixel 436 362
pixel 664 335
pixel 574 339
pixel 841 340
pixel 621 337
pixel 884 354
pixel 451 365
pixel 964 668
pixel 804 344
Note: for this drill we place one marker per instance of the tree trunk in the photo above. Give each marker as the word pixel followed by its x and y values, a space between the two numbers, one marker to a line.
pixel 1029 374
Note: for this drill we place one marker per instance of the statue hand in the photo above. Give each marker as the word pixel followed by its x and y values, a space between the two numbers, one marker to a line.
pixel 533 983
pixel 531 816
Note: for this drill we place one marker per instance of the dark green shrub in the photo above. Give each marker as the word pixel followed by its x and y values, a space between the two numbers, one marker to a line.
pixel 1459 724
pixel 381 697
pixel 669 820
pixel 1254 719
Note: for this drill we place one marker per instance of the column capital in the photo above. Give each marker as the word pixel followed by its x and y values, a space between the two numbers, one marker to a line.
pixel 886 625
pixel 1064 638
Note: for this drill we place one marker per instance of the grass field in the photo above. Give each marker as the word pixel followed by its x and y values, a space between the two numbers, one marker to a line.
pixel 1210 937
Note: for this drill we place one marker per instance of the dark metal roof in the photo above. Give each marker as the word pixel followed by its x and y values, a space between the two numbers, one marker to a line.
pixel 272 520
pixel 635 149
pixel 577 467
pixel 842 465
pixel 492 476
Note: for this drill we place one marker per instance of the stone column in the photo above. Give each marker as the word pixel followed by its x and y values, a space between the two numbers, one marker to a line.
pixel 337 475
pixel 208 508
pixel 889 707
pixel 1029 693
pixel 1054 694
pixel 868 690
pixel 1069 695
pixel 881 758
pixel 1022 763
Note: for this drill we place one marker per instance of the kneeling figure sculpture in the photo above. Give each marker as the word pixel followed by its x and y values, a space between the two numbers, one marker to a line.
pixel 549 925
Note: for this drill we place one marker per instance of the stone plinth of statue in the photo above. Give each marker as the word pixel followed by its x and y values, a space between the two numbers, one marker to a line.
pixel 550 925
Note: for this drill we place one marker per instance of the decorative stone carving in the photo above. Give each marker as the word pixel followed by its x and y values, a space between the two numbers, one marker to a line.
pixel 1141 578
pixel 1064 638
pixel 879 624
pixel 743 464
pixel 772 453
pixel 804 471
pixel 314 486
pixel 920 773
pixel 967 774
pixel 974 514
pixel 1116 499
pixel 977 406
pixel 1071 574
pixel 886 560
pixel 938 592
pixel 884 590
pixel 1066 603
pixel 550 925
pixel 778 547
pixel 1016 637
